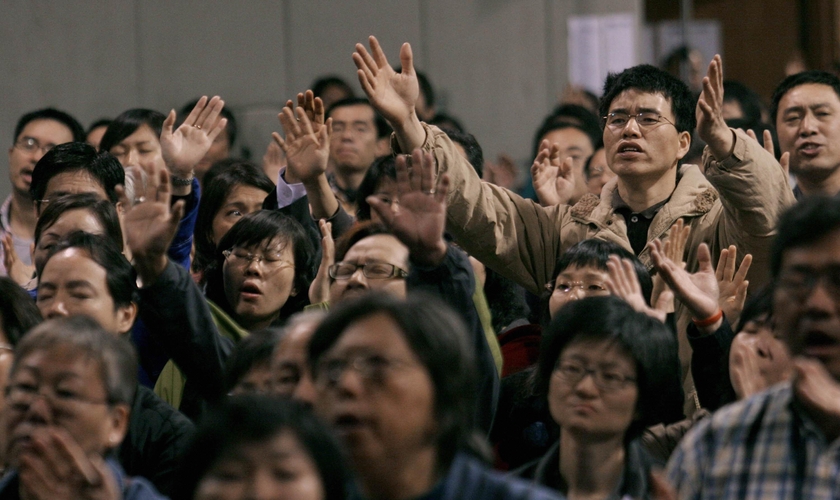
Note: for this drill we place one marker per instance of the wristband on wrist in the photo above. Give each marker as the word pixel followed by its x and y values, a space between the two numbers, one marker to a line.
pixel 711 320
pixel 181 181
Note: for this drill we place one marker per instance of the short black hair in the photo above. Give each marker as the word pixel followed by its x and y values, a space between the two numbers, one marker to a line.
pixel 255 349
pixel 216 189
pixel 257 228
pixel 382 127
pixel 61 117
pixel 648 342
pixel 651 79
pixel 357 233
pixel 438 338
pixel 320 85
pixel 475 155
pixel 804 224
pixel 128 122
pixel 246 420
pixel 747 99
pixel 803 78
pixel 231 128
pixel 72 157
pixel 565 115
pixel 18 312
pixel 447 123
pixel 595 253
pixel 115 355
pixel 102 122
pixel 119 275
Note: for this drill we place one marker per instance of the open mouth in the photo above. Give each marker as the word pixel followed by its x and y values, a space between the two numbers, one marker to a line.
pixel 820 344
pixel 809 149
pixel 348 423
pixel 250 291
pixel 629 148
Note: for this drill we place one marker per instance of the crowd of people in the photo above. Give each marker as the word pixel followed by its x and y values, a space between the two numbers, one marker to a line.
pixel 376 312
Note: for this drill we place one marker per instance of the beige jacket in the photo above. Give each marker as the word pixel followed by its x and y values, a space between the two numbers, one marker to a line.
pixel 737 202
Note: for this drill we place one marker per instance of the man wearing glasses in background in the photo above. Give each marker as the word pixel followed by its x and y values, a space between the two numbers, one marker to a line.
pixel 35 134
pixel 648 117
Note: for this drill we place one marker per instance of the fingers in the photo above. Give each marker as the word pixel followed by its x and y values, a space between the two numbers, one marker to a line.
pixel 784 161
pixel 723 261
pixel 421 180
pixel 278 139
pixel 318 109
pixel 304 120
pixel 192 118
pixel 378 53
pixel 163 193
pixel 768 143
pixel 209 115
pixel 168 123
pixel 327 243
pixel 382 209
pixel 744 268
pixel 290 124
pixel 751 134
pixel 565 169
pixel 177 212
pixel 729 268
pixel 403 182
pixel 442 189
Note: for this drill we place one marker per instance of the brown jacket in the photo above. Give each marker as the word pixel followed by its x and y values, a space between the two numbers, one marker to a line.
pixel 737 202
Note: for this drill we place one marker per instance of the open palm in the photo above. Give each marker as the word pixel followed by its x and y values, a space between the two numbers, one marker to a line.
pixel 392 94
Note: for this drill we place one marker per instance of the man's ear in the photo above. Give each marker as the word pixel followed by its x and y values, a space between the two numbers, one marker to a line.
pixel 117 424
pixel 685 145
pixel 125 317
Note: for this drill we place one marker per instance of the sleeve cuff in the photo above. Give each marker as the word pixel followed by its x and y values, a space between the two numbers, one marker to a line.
pixel 739 153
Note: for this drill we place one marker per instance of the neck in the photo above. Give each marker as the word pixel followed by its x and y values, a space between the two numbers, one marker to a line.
pixel 398 478
pixel 347 178
pixel 254 325
pixel 643 193
pixel 827 185
pixel 590 469
pixel 22 216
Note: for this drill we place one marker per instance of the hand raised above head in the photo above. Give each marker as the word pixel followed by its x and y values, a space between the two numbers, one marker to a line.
pixel 552 176
pixel 392 94
pixel 698 291
pixel 184 147
pixel 420 220
pixel 711 126
pixel 307 144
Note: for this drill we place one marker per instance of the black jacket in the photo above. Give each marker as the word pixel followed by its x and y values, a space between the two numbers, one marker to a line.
pixel 156 441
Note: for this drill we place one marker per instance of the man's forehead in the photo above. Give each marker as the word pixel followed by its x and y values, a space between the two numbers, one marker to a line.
pixel 822 252
pixel 633 98
pixel 47 129
pixel 353 112
pixel 808 92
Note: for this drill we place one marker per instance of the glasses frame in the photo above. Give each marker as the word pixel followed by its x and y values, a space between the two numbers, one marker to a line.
pixel 22 144
pixel 597 377
pixel 396 272
pixel 256 258
pixel 637 117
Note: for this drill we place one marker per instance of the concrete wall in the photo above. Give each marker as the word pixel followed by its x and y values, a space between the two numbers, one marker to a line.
pixel 498 64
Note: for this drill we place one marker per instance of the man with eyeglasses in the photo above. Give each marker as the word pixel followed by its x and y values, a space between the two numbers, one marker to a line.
pixel 783 442
pixel 35 133
pixel 648 116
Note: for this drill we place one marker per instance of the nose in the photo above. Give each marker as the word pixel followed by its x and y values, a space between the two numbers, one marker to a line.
pixel 631 128
pixel 586 385
pixel 262 485
pixel 39 410
pixel 305 389
pixel 131 157
pixel 357 279
pixel 576 293
pixel 253 267
pixel 808 125
pixel 820 301
pixel 57 309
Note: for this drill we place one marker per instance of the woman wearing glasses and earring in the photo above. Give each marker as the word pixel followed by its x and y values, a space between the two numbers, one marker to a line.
pixel 608 372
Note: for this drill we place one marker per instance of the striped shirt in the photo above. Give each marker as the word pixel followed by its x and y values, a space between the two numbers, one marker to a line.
pixel 764 447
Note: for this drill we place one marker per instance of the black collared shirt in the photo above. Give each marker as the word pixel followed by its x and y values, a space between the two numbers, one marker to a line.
pixel 638 223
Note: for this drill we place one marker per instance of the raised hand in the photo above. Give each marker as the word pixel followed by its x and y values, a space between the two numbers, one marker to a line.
pixel 307 143
pixel 784 160
pixel 392 94
pixel 624 283
pixel 185 146
pixel 150 226
pixel 674 248
pixel 17 271
pixel 273 161
pixel 732 285
pixel 421 217
pixel 698 291
pixel 711 126
pixel 319 290
pixel 55 467
pixel 554 181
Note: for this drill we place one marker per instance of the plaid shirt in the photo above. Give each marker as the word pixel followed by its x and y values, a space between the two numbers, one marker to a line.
pixel 765 447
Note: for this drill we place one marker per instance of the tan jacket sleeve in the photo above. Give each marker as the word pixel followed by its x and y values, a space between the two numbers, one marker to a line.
pixel 515 237
pixel 754 191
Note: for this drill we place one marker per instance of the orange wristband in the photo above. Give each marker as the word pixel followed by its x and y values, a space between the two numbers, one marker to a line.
pixel 711 320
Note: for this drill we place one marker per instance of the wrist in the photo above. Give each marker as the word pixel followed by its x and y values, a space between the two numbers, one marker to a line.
pixel 410 133
pixel 429 256
pixel 711 321
pixel 149 268
pixel 722 144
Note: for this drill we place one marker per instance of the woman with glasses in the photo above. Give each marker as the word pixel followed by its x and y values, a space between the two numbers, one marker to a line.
pixel 396 380
pixel 68 403
pixel 260 276
pixel 607 372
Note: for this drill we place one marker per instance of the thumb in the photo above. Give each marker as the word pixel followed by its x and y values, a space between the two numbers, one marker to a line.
pixel 784 161
pixel 407 59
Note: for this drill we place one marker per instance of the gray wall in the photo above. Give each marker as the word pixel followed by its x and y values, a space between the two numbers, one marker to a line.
pixel 498 64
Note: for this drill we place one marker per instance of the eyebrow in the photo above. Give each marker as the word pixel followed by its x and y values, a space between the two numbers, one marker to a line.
pixel 638 110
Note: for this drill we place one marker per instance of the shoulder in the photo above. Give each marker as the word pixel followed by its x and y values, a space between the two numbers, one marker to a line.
pixel 154 412
pixel 469 478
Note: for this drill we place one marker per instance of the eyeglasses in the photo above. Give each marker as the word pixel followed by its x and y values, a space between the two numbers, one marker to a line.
pixel 800 283
pixel 606 380
pixel 30 145
pixel 242 257
pixel 588 288
pixel 644 119
pixel 372 368
pixel 371 270
pixel 20 397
